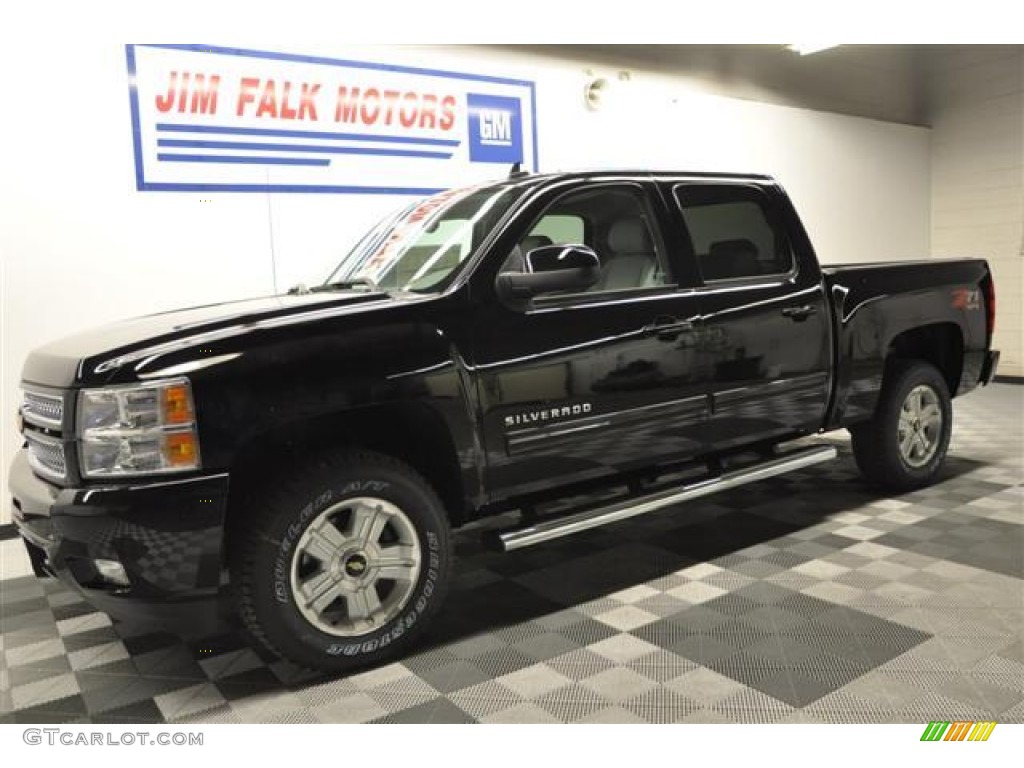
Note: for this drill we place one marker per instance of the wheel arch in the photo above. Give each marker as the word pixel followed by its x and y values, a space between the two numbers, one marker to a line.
pixel 940 344
pixel 414 433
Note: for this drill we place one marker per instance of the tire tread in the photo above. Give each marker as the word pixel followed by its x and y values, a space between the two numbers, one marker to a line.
pixel 876 453
pixel 269 497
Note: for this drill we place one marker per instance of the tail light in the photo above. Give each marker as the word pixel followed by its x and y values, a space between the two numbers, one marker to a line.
pixel 989 285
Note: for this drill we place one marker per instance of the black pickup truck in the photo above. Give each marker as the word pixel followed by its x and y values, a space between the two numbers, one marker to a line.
pixel 296 463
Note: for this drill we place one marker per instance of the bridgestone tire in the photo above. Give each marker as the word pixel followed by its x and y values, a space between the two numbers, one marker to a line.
pixel 876 444
pixel 277 517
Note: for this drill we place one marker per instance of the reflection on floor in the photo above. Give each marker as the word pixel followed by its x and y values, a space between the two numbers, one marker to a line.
pixel 800 599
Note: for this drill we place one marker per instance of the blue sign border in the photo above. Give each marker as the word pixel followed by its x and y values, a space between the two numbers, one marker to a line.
pixel 150 186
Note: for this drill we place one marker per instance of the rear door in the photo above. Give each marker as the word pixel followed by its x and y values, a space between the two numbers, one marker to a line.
pixel 766 333
pixel 577 386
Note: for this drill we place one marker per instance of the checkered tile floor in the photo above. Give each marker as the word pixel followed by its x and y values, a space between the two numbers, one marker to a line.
pixel 805 598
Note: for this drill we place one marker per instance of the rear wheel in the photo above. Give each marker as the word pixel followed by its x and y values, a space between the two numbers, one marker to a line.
pixel 905 444
pixel 342 563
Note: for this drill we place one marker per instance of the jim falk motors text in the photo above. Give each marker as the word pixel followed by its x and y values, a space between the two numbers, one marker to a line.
pixel 200 94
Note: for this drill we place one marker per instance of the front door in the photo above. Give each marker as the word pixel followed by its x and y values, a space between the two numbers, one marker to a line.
pixel 577 386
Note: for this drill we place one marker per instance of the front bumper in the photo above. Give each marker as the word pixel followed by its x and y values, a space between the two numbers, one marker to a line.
pixel 167 534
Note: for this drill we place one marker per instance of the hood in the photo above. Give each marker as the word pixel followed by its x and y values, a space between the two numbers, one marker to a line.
pixel 64 362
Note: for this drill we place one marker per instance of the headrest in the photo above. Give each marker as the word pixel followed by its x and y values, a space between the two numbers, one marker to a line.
pixel 630 236
pixel 732 248
pixel 730 259
pixel 535 241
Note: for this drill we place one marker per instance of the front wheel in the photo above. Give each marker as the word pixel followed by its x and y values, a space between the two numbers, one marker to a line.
pixel 904 445
pixel 342 563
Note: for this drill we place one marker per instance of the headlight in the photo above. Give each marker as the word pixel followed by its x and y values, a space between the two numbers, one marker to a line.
pixel 138 429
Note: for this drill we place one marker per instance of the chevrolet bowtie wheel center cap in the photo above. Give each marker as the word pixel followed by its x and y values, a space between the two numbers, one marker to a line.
pixel 356 566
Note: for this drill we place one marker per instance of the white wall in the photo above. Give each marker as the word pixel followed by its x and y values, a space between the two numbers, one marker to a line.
pixel 80 246
pixel 977 109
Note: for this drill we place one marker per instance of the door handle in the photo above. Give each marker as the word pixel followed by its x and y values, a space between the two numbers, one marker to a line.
pixel 667 328
pixel 799 314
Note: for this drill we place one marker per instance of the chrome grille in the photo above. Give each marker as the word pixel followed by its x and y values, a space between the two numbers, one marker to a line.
pixel 46 455
pixel 45 411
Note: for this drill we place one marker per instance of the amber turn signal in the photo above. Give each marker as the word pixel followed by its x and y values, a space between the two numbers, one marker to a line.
pixel 180 449
pixel 177 405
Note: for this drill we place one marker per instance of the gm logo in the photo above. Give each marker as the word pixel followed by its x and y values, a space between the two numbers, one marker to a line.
pixel 495 129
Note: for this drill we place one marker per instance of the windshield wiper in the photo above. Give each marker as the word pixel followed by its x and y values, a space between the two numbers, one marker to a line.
pixel 340 285
pixel 365 282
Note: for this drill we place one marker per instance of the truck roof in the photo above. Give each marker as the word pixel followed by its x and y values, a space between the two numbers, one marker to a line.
pixel 528 179
pixel 590 172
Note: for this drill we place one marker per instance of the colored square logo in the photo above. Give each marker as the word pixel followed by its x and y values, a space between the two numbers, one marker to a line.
pixel 495 129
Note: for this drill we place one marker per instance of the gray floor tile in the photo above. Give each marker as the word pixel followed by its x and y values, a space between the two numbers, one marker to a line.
pixel 806 598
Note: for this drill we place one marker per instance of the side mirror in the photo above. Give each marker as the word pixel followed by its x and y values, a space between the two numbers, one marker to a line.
pixel 551 268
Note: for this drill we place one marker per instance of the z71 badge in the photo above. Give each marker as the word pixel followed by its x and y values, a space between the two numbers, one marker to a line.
pixel 966 298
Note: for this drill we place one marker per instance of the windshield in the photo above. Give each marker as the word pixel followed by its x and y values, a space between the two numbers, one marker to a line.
pixel 420 247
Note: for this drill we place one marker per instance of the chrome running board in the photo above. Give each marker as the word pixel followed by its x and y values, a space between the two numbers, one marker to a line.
pixel 546 530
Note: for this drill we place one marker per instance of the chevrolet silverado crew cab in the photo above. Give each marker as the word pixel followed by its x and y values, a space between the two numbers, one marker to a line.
pixel 296 463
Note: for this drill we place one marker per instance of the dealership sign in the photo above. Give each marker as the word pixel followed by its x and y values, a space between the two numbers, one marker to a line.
pixel 224 119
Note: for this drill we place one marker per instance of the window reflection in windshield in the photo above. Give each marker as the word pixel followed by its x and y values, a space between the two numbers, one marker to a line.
pixel 420 247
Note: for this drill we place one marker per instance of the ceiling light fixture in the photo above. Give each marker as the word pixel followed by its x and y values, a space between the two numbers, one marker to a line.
pixel 806 49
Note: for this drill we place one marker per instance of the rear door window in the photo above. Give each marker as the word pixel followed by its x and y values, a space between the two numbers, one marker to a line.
pixel 732 233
